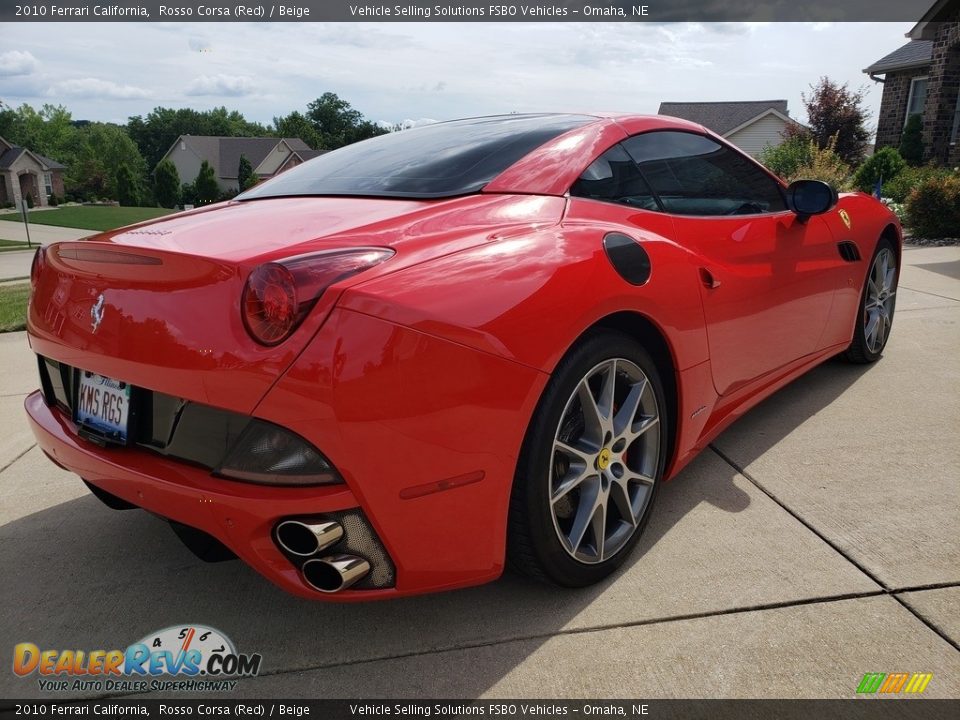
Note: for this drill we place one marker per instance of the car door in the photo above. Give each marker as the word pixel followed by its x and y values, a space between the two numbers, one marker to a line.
pixel 765 277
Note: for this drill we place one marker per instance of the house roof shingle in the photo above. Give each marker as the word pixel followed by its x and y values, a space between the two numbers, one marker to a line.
pixel 10 155
pixel 722 117
pixel 223 153
pixel 916 53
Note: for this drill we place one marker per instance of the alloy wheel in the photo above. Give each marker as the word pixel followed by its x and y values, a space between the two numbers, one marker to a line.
pixel 879 299
pixel 604 461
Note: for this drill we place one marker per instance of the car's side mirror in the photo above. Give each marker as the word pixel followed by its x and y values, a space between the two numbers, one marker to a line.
pixel 810 197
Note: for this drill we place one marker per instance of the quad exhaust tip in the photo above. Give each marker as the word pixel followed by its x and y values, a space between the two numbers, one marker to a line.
pixel 303 538
pixel 334 573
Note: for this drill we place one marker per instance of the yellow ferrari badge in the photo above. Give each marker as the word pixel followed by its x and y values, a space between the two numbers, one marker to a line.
pixel 845 216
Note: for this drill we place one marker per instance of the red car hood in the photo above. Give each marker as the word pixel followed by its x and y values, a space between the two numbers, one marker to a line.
pixel 171 288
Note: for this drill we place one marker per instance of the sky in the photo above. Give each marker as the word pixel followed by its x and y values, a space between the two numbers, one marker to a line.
pixel 395 72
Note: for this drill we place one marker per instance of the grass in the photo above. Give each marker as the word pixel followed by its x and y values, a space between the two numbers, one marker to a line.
pixel 13 306
pixel 13 245
pixel 90 217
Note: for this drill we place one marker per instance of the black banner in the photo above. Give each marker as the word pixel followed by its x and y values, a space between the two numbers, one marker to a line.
pixel 464 11
pixel 862 709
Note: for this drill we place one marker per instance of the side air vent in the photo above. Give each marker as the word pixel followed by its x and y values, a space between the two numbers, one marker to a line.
pixel 849 250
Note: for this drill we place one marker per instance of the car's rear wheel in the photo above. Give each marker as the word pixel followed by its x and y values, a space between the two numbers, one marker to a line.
pixel 591 463
pixel 877 304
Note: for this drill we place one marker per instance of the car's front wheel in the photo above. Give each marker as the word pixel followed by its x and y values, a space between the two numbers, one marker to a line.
pixel 591 463
pixel 877 304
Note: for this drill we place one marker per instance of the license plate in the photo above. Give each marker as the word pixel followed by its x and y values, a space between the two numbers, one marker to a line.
pixel 103 405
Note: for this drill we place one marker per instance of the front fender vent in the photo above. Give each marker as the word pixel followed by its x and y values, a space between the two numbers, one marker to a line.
pixel 848 250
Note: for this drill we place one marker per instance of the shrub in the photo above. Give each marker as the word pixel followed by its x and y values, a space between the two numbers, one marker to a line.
pixel 188 194
pixel 52 200
pixel 823 164
pixel 884 165
pixel 787 157
pixel 126 187
pixel 166 184
pixel 206 184
pixel 29 200
pixel 933 209
pixel 911 178
pixel 911 142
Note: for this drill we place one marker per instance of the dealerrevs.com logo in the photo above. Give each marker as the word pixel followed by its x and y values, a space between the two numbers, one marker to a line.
pixel 178 658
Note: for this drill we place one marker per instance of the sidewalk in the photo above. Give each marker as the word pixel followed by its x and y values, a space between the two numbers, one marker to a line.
pixel 814 541
pixel 16 263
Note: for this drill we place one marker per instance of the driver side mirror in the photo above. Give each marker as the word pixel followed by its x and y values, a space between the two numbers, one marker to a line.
pixel 810 197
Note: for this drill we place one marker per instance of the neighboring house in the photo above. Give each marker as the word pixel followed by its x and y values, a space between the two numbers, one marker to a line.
pixel 750 125
pixel 923 78
pixel 24 172
pixel 268 156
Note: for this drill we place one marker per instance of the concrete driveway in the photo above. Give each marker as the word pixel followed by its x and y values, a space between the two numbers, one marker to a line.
pixel 815 541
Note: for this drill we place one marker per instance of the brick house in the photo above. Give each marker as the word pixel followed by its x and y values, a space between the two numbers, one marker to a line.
pixel 268 156
pixel 24 172
pixel 923 78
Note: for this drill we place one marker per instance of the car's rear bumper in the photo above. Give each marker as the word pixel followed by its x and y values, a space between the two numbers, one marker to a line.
pixel 241 516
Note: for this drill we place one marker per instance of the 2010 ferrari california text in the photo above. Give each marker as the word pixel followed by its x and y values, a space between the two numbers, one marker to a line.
pixel 397 366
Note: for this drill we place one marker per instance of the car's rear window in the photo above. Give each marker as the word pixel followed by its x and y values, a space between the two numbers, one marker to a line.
pixel 441 160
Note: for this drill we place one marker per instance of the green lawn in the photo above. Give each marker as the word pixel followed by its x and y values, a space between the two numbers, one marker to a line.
pixel 90 217
pixel 13 245
pixel 13 306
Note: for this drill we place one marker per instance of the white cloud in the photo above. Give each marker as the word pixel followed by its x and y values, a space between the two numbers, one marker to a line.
pixel 96 88
pixel 17 62
pixel 228 85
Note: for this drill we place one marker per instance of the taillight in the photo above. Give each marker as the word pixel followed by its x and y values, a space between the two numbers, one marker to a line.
pixel 278 295
pixel 38 264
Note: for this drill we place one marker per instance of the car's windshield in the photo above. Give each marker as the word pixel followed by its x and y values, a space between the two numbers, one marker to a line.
pixel 441 160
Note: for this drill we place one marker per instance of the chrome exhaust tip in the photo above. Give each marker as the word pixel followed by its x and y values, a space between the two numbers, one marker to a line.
pixel 303 538
pixel 334 573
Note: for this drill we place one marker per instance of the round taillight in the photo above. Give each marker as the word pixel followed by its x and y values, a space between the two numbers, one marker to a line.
pixel 270 304
pixel 38 264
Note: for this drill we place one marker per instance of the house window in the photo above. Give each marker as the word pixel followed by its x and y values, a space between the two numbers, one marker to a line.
pixel 48 183
pixel 917 98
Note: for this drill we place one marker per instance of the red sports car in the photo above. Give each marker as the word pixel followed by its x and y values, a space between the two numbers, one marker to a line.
pixel 393 368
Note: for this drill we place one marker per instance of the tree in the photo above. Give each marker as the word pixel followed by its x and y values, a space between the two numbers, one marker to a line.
pixel 836 111
pixel 127 187
pixel 101 149
pixel 246 178
pixel 166 184
pixel 911 142
pixel 337 123
pixel 206 184
pixel 295 125
pixel 155 133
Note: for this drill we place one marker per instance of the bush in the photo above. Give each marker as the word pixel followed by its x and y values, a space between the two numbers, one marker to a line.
pixel 884 165
pixel 29 200
pixel 52 201
pixel 903 184
pixel 166 184
pixel 824 164
pixel 933 209
pixel 188 194
pixel 787 157
pixel 911 142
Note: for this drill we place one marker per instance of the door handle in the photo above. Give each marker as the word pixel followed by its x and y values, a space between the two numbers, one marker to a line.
pixel 709 279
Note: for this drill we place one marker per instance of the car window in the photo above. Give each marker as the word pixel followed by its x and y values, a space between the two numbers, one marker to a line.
pixel 614 177
pixel 440 160
pixel 694 175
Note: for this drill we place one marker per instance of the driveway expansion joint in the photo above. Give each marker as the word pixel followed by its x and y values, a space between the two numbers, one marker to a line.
pixel 886 589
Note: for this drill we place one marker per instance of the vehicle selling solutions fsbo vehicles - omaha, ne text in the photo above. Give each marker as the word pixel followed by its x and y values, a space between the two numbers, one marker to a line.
pixel 392 368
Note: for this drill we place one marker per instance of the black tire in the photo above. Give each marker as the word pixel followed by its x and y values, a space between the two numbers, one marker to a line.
pixel 534 546
pixel 860 351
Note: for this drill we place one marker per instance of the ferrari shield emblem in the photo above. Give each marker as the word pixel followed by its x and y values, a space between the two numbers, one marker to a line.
pixel 845 216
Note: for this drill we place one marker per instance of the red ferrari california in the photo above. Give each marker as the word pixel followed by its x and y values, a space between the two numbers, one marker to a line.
pixel 395 367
